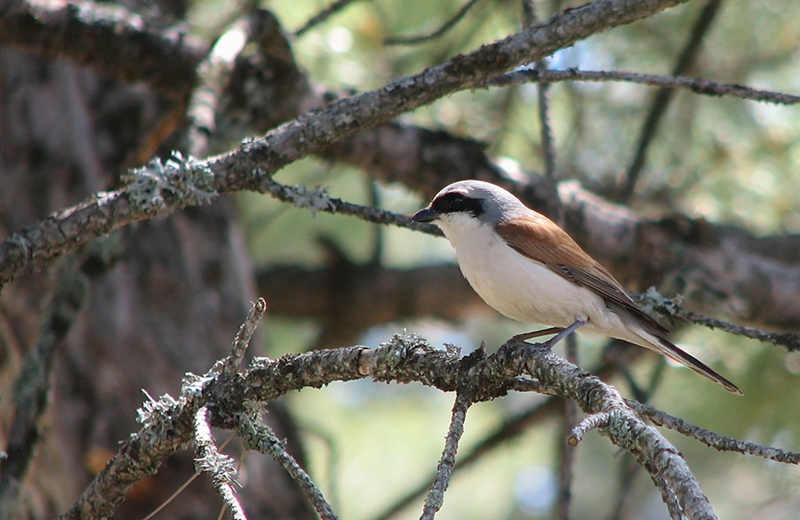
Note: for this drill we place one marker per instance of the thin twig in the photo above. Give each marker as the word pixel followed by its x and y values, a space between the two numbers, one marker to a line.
pixel 317 199
pixel 711 439
pixel 568 453
pixel 671 307
pixel 323 15
pixel 627 471
pixel 243 336
pixel 548 141
pixel 698 86
pixel 591 422
pixel 528 13
pixel 260 437
pixel 660 103
pixel 449 24
pixel 505 432
pixel 554 208
pixel 435 498
pixel 220 467
pixel 183 486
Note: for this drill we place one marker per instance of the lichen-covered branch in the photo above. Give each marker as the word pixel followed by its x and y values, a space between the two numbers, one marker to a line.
pixel 254 162
pixel 221 468
pixel 169 424
pixel 260 437
pixel 714 440
pixel 447 463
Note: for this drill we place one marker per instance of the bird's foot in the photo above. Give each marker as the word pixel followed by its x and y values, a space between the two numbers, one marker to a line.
pixel 535 334
pixel 560 333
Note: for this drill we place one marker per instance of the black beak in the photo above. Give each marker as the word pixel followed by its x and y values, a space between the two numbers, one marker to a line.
pixel 425 215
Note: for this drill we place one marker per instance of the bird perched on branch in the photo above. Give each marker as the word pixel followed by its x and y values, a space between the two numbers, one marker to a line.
pixel 526 267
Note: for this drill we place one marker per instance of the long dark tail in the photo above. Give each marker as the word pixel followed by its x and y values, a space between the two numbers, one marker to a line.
pixel 675 353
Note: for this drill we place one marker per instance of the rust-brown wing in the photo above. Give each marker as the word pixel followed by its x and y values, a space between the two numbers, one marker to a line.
pixel 541 240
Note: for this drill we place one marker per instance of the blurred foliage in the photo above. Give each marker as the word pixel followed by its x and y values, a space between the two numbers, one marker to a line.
pixel 727 160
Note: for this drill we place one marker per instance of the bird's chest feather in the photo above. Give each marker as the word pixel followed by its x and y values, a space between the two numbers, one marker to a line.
pixel 515 285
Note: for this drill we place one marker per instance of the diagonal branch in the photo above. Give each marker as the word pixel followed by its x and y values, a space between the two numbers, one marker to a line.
pixel 260 437
pixel 714 440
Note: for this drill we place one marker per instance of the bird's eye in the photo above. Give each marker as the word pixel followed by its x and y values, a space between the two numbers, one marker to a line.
pixel 455 202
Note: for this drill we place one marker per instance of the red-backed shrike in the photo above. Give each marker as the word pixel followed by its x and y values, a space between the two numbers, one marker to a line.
pixel 529 269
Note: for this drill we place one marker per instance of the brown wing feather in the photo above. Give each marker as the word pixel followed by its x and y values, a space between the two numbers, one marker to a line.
pixel 541 240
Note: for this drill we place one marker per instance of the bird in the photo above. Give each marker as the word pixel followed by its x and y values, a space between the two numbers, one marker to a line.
pixel 527 268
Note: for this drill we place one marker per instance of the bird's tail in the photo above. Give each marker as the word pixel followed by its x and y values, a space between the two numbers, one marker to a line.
pixel 675 353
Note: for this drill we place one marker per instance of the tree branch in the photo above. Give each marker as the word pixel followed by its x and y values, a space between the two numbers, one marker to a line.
pixel 118 43
pixel 169 423
pixel 335 7
pixel 260 437
pixel 711 439
pixel 256 160
pixel 221 467
pixel 435 497
pixel 70 289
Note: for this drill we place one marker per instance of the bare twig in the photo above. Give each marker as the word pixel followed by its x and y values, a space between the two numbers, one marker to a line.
pixel 243 337
pixel 260 437
pixel 714 440
pixel 698 86
pixel 554 208
pixel 323 15
pixel 660 103
pixel 449 24
pixel 627 471
pixel 435 498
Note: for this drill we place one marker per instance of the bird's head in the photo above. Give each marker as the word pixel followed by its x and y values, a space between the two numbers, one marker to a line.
pixel 464 206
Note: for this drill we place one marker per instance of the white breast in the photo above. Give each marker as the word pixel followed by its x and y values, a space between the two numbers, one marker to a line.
pixel 517 286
